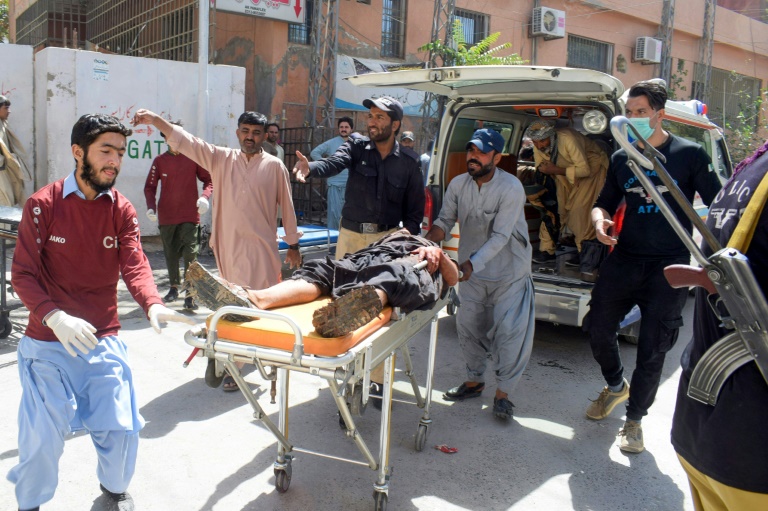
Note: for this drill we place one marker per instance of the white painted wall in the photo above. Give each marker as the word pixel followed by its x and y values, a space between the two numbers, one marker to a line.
pixel 16 84
pixel 70 83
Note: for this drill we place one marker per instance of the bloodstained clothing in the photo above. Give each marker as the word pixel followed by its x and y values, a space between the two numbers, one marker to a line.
pixel 248 195
pixel 177 176
pixel 387 264
pixel 70 253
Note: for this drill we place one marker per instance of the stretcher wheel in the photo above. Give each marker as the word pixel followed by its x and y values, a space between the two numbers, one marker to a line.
pixel 283 479
pixel 421 437
pixel 356 406
pixel 5 327
pixel 211 379
pixel 380 501
pixel 451 309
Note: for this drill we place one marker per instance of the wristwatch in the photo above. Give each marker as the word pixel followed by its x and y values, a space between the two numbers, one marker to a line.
pixel 295 246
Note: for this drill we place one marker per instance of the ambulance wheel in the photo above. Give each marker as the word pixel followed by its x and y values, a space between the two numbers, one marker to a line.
pixel 5 327
pixel 380 501
pixel 282 480
pixel 421 437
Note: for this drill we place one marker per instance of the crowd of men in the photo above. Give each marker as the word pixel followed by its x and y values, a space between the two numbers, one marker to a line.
pixel 73 367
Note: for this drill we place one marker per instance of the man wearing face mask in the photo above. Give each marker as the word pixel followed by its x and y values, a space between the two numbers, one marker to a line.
pixel 496 316
pixel 633 272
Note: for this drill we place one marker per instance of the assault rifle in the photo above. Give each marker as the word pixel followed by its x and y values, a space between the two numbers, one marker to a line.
pixel 734 294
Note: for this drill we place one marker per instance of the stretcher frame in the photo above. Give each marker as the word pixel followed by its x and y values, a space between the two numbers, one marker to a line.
pixel 348 377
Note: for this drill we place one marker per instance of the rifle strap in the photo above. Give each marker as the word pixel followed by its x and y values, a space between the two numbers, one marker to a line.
pixel 745 229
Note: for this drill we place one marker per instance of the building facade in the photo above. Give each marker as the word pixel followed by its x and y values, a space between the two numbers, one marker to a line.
pixel 277 55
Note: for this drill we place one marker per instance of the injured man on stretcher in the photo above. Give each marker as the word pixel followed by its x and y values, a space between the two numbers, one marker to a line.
pixel 361 284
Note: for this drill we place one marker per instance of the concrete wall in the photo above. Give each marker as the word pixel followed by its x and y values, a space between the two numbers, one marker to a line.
pixel 16 84
pixel 70 83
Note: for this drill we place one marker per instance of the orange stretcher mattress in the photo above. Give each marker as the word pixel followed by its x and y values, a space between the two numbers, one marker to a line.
pixel 273 333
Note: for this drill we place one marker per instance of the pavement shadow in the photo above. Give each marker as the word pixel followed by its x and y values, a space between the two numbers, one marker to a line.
pixel 192 402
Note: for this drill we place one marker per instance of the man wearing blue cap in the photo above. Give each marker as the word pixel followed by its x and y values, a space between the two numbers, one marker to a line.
pixel 384 187
pixel 497 304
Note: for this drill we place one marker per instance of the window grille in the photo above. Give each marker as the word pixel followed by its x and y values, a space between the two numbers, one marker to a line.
pixel 589 54
pixel 52 23
pixel 302 33
pixel 473 24
pixel 731 99
pixel 393 28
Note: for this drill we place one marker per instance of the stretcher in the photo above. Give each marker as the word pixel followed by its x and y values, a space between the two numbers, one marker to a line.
pixel 314 239
pixel 10 218
pixel 283 340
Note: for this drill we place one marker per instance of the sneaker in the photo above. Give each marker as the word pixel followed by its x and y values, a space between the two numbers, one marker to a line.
pixel 347 313
pixel 172 295
pixel 502 408
pixel 212 291
pixel 542 257
pixel 607 401
pixel 123 501
pixel 631 437
pixel 189 303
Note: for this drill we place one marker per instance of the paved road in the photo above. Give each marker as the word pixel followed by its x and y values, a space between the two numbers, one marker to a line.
pixel 201 449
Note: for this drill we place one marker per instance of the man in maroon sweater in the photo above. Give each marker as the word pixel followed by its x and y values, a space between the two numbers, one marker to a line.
pixel 76 237
pixel 178 212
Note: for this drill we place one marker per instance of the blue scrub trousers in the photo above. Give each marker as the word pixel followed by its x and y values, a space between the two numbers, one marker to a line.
pixel 62 394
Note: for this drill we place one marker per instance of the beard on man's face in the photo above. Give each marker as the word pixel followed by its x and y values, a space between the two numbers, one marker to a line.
pixel 477 173
pixel 381 135
pixel 90 176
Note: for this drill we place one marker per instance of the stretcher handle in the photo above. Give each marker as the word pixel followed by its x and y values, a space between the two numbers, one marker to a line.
pixel 683 275
pixel 619 126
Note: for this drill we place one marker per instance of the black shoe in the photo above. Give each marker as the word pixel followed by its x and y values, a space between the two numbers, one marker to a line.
pixel 172 295
pixel 542 257
pixel 375 393
pixel 502 408
pixel 463 392
pixel 189 303
pixel 574 262
pixel 123 500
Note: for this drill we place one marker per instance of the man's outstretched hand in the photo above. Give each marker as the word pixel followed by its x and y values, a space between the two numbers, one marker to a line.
pixel 160 314
pixel 301 169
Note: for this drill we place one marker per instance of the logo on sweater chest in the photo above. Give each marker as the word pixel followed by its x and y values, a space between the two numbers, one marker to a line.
pixel 57 239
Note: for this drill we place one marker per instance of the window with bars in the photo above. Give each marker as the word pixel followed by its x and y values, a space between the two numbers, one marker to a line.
pixel 393 28
pixel 589 54
pixel 731 98
pixel 301 33
pixel 473 24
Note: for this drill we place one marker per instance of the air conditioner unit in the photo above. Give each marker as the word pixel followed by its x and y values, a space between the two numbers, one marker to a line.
pixel 648 50
pixel 548 22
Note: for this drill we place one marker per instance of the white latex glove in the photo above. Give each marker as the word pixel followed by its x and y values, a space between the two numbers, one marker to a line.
pixel 73 332
pixel 202 205
pixel 152 215
pixel 160 313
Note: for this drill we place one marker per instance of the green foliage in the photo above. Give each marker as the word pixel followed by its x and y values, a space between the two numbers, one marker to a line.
pixel 745 133
pixel 4 22
pixel 677 80
pixel 481 54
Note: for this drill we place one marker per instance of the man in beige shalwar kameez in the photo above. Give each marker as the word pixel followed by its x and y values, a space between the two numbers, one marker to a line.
pixel 579 166
pixel 249 185
pixel 13 169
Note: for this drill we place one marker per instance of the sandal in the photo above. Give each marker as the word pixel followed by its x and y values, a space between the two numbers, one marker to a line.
pixel 229 384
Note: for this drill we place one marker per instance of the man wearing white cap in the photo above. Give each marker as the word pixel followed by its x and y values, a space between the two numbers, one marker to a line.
pixel 578 166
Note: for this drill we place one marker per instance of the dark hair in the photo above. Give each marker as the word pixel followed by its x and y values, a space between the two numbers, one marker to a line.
pixel 90 126
pixel 348 120
pixel 271 124
pixel 655 92
pixel 175 123
pixel 4 101
pixel 253 118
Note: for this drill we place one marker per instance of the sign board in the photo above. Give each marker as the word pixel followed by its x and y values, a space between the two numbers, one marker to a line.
pixel 292 11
